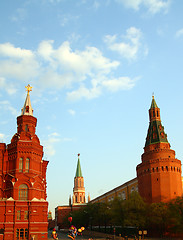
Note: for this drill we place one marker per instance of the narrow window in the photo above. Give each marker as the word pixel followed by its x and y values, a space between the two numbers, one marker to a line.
pixel 80 198
pixel 26 127
pixel 23 192
pixel 20 164
pixel 162 168
pixel 157 169
pixel 26 215
pixel 167 168
pixel 157 114
pixel 27 109
pixel 18 215
pixel 27 164
pixel 124 195
pixel 153 113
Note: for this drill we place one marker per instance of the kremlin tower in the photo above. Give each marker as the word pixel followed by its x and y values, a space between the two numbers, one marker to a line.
pixel 78 190
pixel 159 174
pixel 76 202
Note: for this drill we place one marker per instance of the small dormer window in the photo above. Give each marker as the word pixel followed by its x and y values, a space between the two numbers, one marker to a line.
pixel 27 109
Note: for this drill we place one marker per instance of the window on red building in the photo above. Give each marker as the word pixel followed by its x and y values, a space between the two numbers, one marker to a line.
pixel 18 215
pixel 26 215
pixel 23 192
pixel 21 233
pixel 20 164
pixel 27 165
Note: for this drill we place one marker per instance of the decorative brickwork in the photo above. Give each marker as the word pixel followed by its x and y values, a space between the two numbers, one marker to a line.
pixel 23 205
pixel 159 174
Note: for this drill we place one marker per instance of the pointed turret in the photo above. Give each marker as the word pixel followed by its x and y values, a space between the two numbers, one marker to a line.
pixel 156 132
pixel 78 190
pixel 78 170
pixel 27 109
pixel 159 173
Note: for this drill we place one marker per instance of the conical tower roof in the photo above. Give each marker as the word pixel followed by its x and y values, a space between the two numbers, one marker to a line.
pixel 153 103
pixel 27 108
pixel 78 170
pixel 155 132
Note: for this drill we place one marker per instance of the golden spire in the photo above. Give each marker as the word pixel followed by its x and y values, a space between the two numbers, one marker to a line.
pixel 29 88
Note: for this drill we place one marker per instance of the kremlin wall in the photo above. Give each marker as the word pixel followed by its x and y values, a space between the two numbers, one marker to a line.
pixel 23 205
pixel 158 175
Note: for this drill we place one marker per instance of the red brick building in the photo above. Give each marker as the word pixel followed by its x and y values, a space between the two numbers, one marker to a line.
pixel 159 174
pixel 23 205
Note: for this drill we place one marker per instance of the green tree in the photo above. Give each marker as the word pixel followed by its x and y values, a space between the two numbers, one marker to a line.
pixel 117 212
pixel 135 211
pixel 158 218
pixel 175 215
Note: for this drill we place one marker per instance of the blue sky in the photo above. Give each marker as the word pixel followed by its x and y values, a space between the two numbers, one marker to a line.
pixel 93 66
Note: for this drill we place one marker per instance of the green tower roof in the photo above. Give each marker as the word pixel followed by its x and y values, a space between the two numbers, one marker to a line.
pixel 78 170
pixel 156 133
pixel 153 103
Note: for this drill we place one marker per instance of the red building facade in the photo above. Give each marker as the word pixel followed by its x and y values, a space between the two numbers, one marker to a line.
pixel 23 205
pixel 159 174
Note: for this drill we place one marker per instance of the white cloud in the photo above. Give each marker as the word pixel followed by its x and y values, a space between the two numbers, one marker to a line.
pixel 153 6
pixel 50 144
pixel 96 4
pixel 49 147
pixel 122 83
pixel 7 106
pixel 2 136
pixel 179 33
pixel 19 15
pixel 128 46
pixel 8 87
pixel 84 92
pixel 17 63
pixel 8 50
pixel 72 112
pixel 99 85
pixel 63 67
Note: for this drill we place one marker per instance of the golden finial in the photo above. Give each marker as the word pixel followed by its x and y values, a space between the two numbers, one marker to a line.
pixel 29 88
pixel 153 95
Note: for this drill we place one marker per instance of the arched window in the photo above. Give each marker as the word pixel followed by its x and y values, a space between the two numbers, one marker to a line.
pixel 27 164
pixel 23 192
pixel 80 198
pixel 21 165
pixel 123 195
pixel 26 127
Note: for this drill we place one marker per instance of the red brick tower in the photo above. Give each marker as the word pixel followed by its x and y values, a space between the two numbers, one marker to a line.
pixel 78 190
pixel 23 181
pixel 159 174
